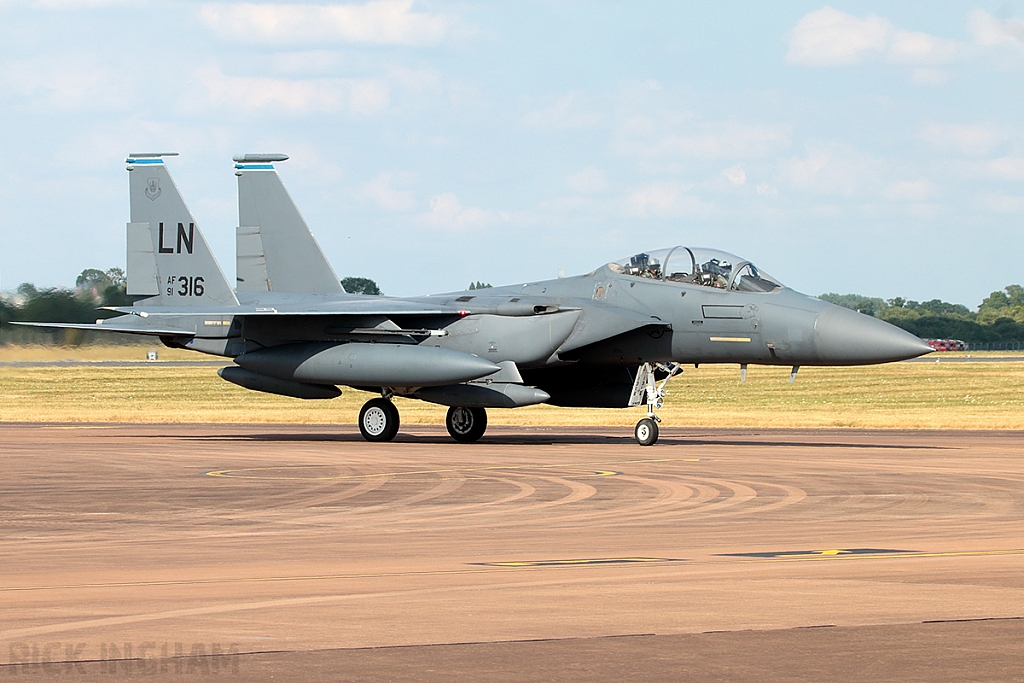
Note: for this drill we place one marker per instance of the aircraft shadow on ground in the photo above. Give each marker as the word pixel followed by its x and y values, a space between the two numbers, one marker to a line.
pixel 551 440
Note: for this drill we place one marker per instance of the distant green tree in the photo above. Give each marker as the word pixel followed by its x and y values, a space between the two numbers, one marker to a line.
pixel 360 285
pixel 92 279
pixel 894 313
pixel 479 285
pixel 1008 329
pixel 116 295
pixel 7 312
pixel 937 307
pixel 106 287
pixel 57 305
pixel 1008 303
pixel 117 277
pixel 27 290
pixel 856 302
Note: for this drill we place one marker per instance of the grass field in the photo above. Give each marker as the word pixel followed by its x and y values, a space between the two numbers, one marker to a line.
pixel 895 396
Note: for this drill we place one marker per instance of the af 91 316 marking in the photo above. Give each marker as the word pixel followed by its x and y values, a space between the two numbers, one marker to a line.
pixel 185 285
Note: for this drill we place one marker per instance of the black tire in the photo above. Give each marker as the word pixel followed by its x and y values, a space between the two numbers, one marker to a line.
pixel 646 432
pixel 378 420
pixel 466 425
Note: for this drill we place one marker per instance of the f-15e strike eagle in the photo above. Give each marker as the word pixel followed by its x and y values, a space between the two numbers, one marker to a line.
pixel 611 338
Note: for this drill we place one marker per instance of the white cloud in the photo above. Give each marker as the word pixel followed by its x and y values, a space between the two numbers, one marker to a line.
pixel 446 211
pixel 829 168
pixel 381 21
pixel 317 95
pixel 304 62
pixel 1001 203
pixel 915 47
pixel 971 139
pixel 909 190
pixel 766 190
pixel 989 31
pixel 382 192
pixel 928 76
pixel 62 5
pixel 590 180
pixel 567 112
pixel 829 37
pixel 666 200
pixel 1007 168
pixel 416 80
pixel 705 141
pixel 735 175
pixel 63 82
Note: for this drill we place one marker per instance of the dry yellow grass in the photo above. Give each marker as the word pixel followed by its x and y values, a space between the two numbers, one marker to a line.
pixel 95 352
pixel 896 396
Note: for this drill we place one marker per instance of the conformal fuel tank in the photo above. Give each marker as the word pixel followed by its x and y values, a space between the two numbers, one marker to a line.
pixel 377 365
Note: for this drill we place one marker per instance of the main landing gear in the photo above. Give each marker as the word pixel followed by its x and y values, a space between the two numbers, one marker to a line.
pixel 466 425
pixel 647 390
pixel 379 421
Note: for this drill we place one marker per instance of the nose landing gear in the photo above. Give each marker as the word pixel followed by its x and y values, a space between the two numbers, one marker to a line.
pixel 647 390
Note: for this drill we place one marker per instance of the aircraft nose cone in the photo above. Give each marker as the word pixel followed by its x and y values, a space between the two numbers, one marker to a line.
pixel 845 337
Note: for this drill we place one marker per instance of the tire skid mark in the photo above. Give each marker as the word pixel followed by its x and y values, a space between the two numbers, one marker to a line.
pixel 444 486
pixel 792 496
pixel 669 494
pixel 577 491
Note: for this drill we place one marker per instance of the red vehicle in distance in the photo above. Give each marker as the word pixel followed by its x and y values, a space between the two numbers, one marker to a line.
pixel 946 344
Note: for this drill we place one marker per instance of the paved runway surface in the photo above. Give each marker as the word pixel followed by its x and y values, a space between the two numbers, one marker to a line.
pixel 269 553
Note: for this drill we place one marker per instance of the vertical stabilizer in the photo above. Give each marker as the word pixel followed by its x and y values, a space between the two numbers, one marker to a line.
pixel 168 257
pixel 275 251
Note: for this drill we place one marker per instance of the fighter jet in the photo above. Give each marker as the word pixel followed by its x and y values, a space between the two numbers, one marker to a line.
pixel 610 338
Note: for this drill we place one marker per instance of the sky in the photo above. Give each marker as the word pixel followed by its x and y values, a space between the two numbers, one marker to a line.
pixel 866 147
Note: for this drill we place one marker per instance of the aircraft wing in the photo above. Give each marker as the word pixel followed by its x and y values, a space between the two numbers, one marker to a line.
pixel 100 327
pixel 357 305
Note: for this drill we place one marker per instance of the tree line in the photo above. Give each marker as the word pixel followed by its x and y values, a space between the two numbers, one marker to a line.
pixel 93 289
pixel 1000 315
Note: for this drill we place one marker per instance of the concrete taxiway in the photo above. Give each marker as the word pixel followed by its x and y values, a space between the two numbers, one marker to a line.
pixel 172 552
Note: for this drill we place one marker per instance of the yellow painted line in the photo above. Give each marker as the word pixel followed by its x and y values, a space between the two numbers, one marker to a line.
pixel 826 555
pixel 579 562
pixel 730 339
pixel 231 473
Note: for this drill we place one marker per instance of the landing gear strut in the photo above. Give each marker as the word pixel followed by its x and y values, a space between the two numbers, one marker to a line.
pixel 647 390
pixel 466 425
pixel 378 420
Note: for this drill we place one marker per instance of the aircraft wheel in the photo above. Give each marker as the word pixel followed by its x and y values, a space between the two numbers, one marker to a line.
pixel 466 425
pixel 646 432
pixel 378 420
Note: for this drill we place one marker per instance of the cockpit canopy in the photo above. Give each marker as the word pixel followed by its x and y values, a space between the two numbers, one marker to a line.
pixel 697 266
